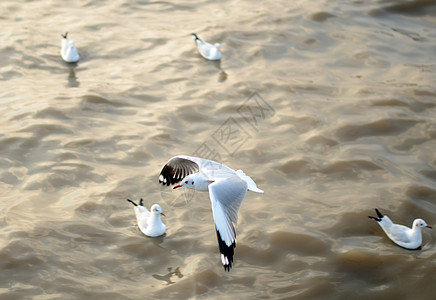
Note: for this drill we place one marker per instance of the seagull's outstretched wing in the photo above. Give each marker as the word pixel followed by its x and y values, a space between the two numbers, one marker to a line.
pixel 176 169
pixel 226 197
pixel 183 165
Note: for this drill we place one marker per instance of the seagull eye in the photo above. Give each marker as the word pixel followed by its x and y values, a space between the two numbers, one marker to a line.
pixel 192 182
pixel 186 181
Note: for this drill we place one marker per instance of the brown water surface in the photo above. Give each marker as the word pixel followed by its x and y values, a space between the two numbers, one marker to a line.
pixel 329 106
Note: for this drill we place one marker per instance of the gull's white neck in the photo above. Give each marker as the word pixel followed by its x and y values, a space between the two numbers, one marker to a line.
pixel 155 219
pixel 415 234
pixel 416 230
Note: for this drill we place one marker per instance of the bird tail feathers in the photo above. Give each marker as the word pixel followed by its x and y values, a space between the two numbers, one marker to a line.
pixel 379 215
pixel 374 218
pixel 251 185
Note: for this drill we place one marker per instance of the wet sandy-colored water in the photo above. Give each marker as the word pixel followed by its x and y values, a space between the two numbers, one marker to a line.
pixel 330 106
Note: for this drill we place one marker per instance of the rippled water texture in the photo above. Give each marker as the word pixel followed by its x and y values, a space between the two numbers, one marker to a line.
pixel 329 106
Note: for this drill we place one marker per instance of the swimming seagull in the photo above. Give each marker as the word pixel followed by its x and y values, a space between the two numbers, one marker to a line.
pixel 227 188
pixel 409 238
pixel 150 223
pixel 69 52
pixel 208 51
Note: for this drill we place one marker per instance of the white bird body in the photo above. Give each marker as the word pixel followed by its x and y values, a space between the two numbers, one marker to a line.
pixel 409 238
pixel 208 51
pixel 69 51
pixel 149 222
pixel 227 188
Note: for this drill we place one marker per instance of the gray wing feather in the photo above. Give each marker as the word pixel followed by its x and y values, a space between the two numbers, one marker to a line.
pixel 229 193
pixel 212 169
pixel 398 233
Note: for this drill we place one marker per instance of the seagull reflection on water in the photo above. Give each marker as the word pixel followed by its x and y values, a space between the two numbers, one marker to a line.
pixel 72 79
pixel 167 277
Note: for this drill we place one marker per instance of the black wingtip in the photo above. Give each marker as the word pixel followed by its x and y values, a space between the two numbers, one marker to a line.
pixel 176 169
pixel 128 200
pixel 379 214
pixel 196 37
pixel 166 176
pixel 141 202
pixel 374 218
pixel 64 35
pixel 226 251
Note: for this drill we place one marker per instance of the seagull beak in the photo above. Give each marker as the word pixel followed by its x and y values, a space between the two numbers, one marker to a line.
pixel 428 226
pixel 177 186
pixel 162 214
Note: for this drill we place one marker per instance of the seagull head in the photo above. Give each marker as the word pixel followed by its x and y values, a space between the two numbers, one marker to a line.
pixel 420 223
pixel 196 181
pixel 218 45
pixel 157 210
pixel 188 181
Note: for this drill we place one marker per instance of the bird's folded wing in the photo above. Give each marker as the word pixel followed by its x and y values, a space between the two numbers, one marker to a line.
pixel 142 210
pixel 399 233
pixel 203 47
pixel 142 217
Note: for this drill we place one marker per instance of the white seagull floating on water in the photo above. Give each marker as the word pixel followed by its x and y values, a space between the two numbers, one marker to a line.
pixel 409 238
pixel 69 52
pixel 227 188
pixel 150 223
pixel 208 51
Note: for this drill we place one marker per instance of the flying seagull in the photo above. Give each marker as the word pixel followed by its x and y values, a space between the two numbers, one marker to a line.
pixel 227 188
